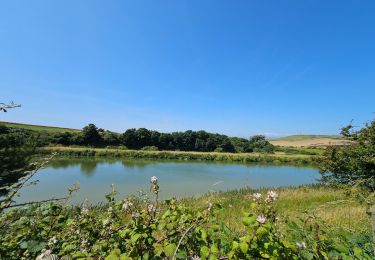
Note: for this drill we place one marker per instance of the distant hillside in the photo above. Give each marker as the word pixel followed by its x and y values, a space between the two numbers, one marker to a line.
pixel 309 141
pixel 39 128
pixel 304 137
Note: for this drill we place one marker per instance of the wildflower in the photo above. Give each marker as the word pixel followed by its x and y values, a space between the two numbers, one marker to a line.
pixel 261 219
pixel 256 196
pixel 135 215
pixel 52 240
pixel 151 208
pixel 44 255
pixel 209 205
pixel 195 257
pixel 110 210
pixel 301 245
pixel 154 180
pixel 271 196
pixel 105 222
pixel 126 205
pixel 84 244
pixel 85 211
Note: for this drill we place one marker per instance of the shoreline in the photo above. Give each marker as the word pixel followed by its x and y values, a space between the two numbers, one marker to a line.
pixel 287 159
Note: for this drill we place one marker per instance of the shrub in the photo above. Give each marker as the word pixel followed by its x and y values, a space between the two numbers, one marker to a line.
pixel 353 163
pixel 137 228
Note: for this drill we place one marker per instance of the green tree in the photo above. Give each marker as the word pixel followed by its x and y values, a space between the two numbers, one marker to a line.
pixel 17 146
pixel 143 138
pixel 353 163
pixel 258 143
pixel 227 146
pixel 110 138
pixel 91 136
pixel 128 138
pixel 16 149
pixel 64 138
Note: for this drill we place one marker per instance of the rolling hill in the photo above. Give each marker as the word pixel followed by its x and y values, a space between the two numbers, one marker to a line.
pixel 309 141
pixel 39 128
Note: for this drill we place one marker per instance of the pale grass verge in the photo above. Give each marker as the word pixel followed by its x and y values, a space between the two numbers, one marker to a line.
pixel 335 209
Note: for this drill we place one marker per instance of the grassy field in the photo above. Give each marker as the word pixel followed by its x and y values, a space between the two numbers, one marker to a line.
pixel 337 210
pixel 294 138
pixel 299 150
pixel 293 159
pixel 39 128
pixel 308 141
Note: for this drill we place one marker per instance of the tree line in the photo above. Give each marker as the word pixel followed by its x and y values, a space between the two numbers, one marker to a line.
pixel 146 139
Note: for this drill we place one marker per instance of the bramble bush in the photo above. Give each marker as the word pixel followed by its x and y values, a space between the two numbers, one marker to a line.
pixel 138 228
pixel 354 163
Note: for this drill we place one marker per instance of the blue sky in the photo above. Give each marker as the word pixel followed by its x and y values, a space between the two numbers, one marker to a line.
pixel 233 67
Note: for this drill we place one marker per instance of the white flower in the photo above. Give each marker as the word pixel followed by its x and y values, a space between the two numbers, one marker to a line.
pixel 126 205
pixel 135 215
pixel 44 254
pixel 105 222
pixel 110 210
pixel 272 196
pixel 256 196
pixel 154 180
pixel 52 240
pixel 85 211
pixel 195 258
pixel 151 208
pixel 209 205
pixel 261 219
pixel 84 243
pixel 301 245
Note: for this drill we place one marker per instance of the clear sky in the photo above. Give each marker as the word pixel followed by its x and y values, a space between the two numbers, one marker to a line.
pixel 233 67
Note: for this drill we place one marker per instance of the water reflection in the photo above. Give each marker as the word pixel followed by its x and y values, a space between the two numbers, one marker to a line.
pixel 177 178
pixel 88 166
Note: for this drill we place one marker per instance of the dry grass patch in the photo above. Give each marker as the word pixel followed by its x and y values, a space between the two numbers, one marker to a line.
pixel 318 142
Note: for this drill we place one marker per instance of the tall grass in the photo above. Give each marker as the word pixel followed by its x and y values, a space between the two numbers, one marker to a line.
pixel 337 209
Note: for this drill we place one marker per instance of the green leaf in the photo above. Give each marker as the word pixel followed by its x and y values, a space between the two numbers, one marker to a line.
pixel 158 249
pixel 215 250
pixel 249 221
pixel 244 247
pixel 262 232
pixel 169 249
pixel 204 234
pixel 83 255
pixel 124 257
pixel 225 228
pixel 234 245
pixel 135 237
pixel 204 252
pixel 116 252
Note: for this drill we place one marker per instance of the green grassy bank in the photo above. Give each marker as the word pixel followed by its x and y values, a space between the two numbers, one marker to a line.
pixel 332 224
pixel 39 128
pixel 179 155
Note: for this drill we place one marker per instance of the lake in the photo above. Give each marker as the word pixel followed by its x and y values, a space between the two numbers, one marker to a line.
pixel 176 178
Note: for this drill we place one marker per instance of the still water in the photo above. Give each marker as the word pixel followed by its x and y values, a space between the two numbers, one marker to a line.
pixel 176 178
